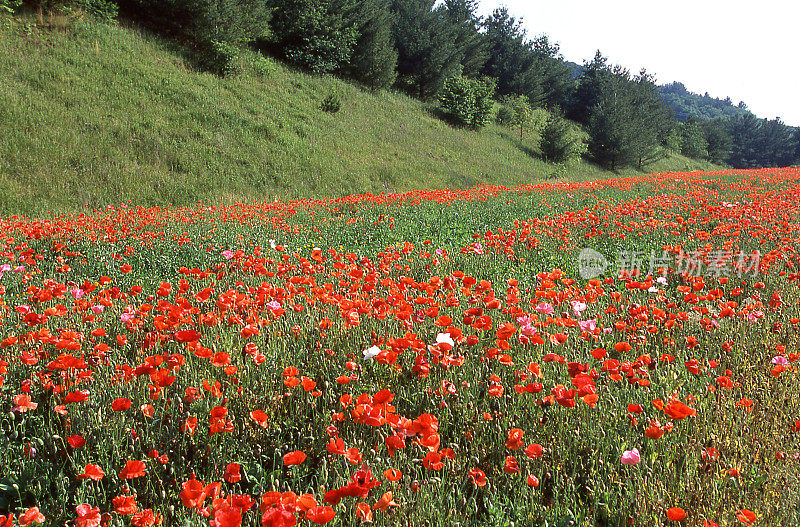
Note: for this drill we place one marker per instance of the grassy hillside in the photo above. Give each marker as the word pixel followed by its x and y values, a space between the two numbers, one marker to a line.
pixel 92 114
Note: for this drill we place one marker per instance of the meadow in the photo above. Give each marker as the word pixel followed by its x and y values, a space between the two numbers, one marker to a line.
pixel 94 113
pixel 414 359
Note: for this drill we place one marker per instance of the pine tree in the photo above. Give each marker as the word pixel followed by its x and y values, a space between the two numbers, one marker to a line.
pixel 318 35
pixel 587 92
pixel 745 132
pixel 511 59
pixel 554 74
pixel 718 139
pixel 693 140
pixel 471 45
pixel 776 144
pixel 425 43
pixel 652 120
pixel 610 122
pixel 374 59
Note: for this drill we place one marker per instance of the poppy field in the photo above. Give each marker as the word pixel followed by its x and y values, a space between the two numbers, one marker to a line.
pixel 418 359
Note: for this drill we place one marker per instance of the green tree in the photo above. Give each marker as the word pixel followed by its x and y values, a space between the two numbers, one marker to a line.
pixel 693 140
pixel 425 41
pixel 472 47
pixel 374 58
pixel 561 141
pixel 628 123
pixel 797 146
pixel 511 59
pixel 553 74
pixel 588 90
pixel 318 35
pixel 718 140
pixel 745 132
pixel 515 111
pixel 776 144
pixel 652 120
pixel 610 122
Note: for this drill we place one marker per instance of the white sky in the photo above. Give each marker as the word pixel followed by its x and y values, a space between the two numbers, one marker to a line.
pixel 748 51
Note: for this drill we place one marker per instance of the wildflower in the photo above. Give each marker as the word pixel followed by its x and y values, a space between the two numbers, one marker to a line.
pixel 631 457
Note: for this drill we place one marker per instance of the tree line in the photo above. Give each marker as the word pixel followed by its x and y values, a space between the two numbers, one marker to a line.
pixel 445 51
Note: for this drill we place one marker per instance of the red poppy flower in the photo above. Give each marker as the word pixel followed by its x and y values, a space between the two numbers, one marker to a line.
pixel 392 474
pixel 125 505
pixel 92 472
pixel 511 466
pixel 746 516
pixel 676 514
pixel 364 512
pixel 146 518
pixel 232 473
pixel 514 441
pixel 320 514
pixel 30 516
pixel 478 477
pixel 133 469
pixel 88 516
pixel 76 441
pixel 294 458
pixel 121 404
pixel 193 494
pixel 187 335
pixel 385 502
pixel 260 417
pixel 678 410
pixel 534 451
pixel 433 461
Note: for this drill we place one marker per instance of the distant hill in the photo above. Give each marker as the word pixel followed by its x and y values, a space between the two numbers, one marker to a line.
pixel 687 104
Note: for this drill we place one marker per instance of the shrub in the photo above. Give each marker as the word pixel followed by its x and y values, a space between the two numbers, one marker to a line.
pixel 259 66
pixel 561 142
pixel 217 57
pixel 331 104
pixel 468 102
pixel 505 116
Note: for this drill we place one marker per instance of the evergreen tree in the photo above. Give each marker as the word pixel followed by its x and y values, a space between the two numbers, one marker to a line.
pixel 561 142
pixel 652 120
pixel 718 139
pixel 693 140
pixel 797 145
pixel 745 132
pixel 511 58
pixel 426 47
pixel 553 73
pixel 776 144
pixel 610 122
pixel 473 48
pixel 588 90
pixel 374 59
pixel 318 35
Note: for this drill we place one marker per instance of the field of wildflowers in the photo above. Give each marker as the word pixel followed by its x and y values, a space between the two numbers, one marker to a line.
pixel 419 359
